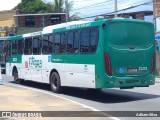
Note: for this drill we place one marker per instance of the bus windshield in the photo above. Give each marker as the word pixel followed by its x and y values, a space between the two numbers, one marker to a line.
pixel 130 33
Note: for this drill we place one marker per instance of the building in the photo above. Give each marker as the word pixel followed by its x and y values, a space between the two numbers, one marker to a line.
pixel 140 12
pixel 26 23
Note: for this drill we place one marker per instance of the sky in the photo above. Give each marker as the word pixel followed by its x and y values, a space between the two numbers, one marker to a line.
pixel 83 8
pixel 8 4
pixel 102 5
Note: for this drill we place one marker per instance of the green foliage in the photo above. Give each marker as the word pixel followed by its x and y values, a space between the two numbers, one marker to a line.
pixel 32 6
pixel 50 7
pixel 74 17
pixel 38 6
pixel 58 7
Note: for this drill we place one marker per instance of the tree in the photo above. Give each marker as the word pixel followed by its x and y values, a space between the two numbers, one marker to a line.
pixel 38 6
pixel 50 7
pixel 58 6
pixel 32 6
pixel 74 17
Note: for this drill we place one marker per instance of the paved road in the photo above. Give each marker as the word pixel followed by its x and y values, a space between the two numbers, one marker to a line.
pixel 138 99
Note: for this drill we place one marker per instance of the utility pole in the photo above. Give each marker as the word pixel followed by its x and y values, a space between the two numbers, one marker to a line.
pixel 115 8
pixel 156 14
pixel 67 11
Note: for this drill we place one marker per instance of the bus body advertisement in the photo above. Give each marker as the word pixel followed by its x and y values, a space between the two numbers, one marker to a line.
pixel 99 54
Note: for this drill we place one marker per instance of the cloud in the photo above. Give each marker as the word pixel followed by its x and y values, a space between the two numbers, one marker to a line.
pixel 8 4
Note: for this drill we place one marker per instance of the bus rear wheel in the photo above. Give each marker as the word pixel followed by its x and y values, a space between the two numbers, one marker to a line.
pixel 55 82
pixel 15 76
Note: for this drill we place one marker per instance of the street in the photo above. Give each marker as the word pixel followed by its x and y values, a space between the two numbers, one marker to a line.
pixel 137 99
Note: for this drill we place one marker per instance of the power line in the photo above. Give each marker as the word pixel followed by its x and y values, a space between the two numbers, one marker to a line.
pixel 109 8
pixel 145 3
pixel 92 5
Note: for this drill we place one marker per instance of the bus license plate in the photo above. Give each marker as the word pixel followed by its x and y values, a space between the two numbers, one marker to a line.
pixel 132 70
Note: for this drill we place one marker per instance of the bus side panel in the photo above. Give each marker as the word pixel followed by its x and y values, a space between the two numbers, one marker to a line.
pixel 79 75
pixel 8 69
pixel 99 60
pixel 14 61
pixel 75 70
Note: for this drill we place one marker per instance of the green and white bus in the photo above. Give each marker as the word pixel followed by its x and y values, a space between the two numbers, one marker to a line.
pixel 99 54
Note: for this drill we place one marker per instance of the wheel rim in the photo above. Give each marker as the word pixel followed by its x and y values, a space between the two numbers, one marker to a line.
pixel 54 82
pixel 15 76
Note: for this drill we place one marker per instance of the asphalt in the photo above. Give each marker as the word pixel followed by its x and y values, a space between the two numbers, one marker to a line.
pixel 13 98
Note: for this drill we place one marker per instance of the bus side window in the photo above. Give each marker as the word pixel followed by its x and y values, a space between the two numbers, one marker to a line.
pixel 76 42
pixel 8 49
pixel 14 47
pixel 50 44
pixel 94 40
pixel 57 43
pixel 20 46
pixel 45 44
pixel 40 44
pixel 69 42
pixel 28 46
pixel 73 42
pixel 63 43
pixel 84 40
pixel 35 46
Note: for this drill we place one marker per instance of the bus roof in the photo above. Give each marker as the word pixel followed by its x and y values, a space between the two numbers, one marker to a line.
pixel 50 29
pixel 2 38
pixel 32 34
pixel 14 37
pixel 81 24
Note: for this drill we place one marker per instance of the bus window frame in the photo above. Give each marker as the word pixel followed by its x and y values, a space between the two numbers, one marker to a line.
pixel 25 45
pixel 64 50
pixel 16 42
pixel 23 42
pixel 51 34
pixel 89 28
pixel 74 31
pixel 41 44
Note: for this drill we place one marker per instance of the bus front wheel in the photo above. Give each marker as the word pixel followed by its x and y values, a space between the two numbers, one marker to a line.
pixel 55 82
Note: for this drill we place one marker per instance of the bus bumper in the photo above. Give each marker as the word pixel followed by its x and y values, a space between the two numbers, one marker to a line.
pixel 128 82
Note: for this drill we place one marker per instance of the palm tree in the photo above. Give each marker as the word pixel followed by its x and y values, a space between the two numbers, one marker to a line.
pixel 75 17
pixel 58 6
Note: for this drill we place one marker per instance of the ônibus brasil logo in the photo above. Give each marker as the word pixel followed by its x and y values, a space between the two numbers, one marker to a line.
pixel 35 63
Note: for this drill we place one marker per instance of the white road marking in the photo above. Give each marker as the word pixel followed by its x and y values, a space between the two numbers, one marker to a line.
pixel 53 94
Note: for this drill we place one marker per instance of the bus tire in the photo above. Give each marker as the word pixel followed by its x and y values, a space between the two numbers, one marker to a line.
pixel 98 90
pixel 15 76
pixel 55 82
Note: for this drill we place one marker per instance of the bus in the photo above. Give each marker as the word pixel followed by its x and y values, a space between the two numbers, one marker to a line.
pixel 2 53
pixel 110 53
